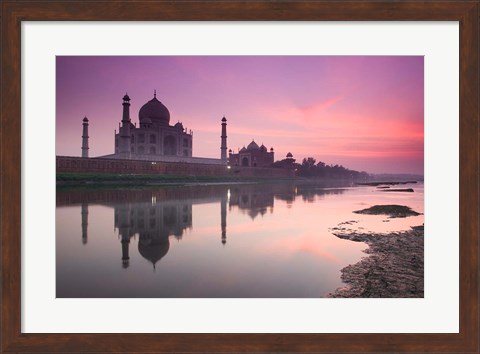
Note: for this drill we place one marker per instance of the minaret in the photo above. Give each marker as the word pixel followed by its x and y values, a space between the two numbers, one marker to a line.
pixel 124 143
pixel 85 138
pixel 223 147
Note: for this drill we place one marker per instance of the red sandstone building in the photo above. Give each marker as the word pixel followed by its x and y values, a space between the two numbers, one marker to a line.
pixel 252 156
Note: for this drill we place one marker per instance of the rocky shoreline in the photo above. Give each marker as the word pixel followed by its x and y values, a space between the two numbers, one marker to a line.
pixel 394 267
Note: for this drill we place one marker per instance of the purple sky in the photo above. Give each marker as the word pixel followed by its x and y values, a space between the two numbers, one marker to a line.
pixel 365 113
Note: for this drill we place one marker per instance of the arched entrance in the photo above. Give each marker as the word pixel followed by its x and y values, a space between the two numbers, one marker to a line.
pixel 245 162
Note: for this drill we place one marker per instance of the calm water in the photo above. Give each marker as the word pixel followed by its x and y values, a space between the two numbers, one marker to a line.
pixel 268 240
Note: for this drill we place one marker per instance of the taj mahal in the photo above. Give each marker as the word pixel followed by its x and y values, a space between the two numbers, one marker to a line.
pixel 155 139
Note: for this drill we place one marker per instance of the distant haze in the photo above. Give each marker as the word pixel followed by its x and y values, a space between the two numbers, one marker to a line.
pixel 362 112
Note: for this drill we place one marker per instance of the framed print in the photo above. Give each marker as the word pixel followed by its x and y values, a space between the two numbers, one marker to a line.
pixel 190 176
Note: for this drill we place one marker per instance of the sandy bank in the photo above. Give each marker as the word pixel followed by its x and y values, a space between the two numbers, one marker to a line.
pixel 393 268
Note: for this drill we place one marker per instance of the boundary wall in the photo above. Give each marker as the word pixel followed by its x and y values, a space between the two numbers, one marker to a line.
pixel 71 164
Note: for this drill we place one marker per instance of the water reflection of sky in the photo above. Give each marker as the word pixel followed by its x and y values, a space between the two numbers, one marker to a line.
pixel 214 241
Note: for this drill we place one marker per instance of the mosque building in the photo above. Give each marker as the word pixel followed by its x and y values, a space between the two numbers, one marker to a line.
pixel 252 156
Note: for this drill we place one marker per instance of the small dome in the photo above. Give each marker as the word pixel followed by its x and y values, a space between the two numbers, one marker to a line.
pixel 85 119
pixel 263 147
pixel 253 146
pixel 243 149
pixel 178 125
pixel 126 98
pixel 271 149
pixel 224 119
pixel 289 155
pixel 156 111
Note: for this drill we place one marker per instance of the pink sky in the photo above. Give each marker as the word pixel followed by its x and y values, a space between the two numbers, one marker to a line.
pixel 365 113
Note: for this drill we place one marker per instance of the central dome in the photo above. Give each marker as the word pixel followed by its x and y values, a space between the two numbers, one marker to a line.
pixel 253 146
pixel 155 111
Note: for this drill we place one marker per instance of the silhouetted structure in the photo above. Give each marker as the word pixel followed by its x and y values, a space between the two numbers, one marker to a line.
pixel 155 136
pixel 223 147
pixel 155 139
pixel 252 156
pixel 286 163
pixel 156 147
pixel 85 147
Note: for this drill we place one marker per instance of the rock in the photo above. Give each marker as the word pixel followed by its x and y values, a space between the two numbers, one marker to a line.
pixel 398 190
pixel 393 211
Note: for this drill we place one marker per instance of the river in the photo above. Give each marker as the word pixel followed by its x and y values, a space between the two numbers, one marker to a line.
pixel 215 241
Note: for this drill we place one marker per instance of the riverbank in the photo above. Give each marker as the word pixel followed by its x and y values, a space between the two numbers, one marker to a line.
pixel 68 179
pixel 394 267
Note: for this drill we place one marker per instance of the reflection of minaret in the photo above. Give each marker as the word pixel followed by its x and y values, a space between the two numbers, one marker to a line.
pixel 125 245
pixel 223 216
pixel 84 223
pixel 124 230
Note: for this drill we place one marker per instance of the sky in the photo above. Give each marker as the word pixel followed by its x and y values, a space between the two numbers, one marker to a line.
pixel 363 112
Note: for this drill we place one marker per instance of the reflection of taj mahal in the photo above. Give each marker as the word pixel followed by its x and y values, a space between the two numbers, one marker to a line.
pixel 154 220
pixel 152 217
pixel 153 223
